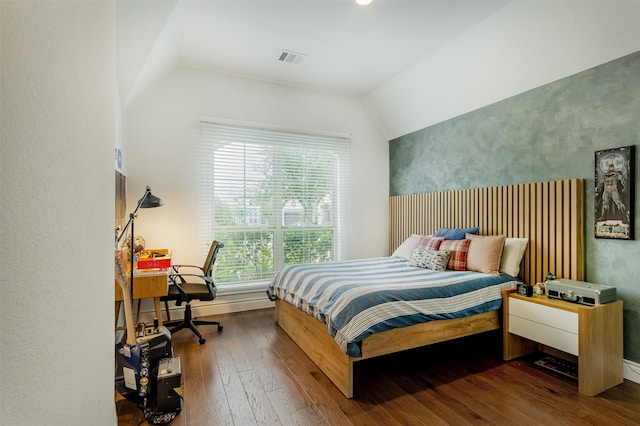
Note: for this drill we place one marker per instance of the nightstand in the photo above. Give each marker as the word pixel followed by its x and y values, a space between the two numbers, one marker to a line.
pixel 593 334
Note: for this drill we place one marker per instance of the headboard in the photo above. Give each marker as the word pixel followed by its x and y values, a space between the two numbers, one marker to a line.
pixel 550 214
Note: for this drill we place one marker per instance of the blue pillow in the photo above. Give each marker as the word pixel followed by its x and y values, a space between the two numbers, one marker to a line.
pixel 455 233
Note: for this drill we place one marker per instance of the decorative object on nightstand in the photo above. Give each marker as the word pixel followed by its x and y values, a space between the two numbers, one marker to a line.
pixel 539 289
pixel 524 289
pixel 581 292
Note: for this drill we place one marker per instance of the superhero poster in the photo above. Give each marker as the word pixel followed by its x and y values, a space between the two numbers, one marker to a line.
pixel 615 193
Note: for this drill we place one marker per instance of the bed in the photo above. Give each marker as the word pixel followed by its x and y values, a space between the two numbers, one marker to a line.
pixel 549 215
pixel 358 298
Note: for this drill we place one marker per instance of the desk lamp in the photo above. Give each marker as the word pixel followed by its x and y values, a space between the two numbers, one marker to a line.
pixel 147 201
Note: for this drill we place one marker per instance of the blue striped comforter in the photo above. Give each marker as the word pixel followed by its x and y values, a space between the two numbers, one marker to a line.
pixel 357 298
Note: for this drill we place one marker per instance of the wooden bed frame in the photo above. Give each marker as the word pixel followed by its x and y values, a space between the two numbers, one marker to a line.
pixel 550 214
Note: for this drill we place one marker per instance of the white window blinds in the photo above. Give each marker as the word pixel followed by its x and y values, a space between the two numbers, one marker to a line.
pixel 274 198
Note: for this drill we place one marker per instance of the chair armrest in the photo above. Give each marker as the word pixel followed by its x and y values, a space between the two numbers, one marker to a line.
pixel 176 268
pixel 174 277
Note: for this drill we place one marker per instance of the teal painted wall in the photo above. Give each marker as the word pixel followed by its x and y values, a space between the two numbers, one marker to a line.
pixel 547 133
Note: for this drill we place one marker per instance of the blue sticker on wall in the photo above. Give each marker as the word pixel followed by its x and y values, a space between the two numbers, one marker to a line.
pixel 118 159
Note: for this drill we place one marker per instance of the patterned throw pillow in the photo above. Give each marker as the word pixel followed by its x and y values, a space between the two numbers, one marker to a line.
pixel 429 242
pixel 430 259
pixel 459 250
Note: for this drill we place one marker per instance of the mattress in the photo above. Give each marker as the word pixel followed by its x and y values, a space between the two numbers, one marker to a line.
pixel 357 298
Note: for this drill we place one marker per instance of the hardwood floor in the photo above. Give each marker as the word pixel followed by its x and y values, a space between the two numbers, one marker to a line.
pixel 251 373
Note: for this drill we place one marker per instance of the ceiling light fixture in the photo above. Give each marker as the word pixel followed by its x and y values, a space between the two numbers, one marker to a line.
pixel 363 2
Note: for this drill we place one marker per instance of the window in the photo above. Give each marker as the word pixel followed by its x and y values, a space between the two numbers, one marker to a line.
pixel 274 198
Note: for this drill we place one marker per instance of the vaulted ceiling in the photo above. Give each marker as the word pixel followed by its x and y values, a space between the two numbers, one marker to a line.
pixel 339 46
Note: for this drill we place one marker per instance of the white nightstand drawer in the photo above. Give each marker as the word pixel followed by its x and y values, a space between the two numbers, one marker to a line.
pixel 547 335
pixel 545 315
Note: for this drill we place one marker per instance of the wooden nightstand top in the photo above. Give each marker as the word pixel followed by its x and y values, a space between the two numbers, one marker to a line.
pixel 557 303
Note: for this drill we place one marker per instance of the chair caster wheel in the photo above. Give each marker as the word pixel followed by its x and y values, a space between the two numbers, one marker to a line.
pixel 202 341
pixel 219 328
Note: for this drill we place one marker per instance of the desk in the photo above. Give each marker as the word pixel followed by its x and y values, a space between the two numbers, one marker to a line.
pixel 151 284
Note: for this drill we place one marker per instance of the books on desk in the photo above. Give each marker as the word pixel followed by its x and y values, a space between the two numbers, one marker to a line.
pixel 154 259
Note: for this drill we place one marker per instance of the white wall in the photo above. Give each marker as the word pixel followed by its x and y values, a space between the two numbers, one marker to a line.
pixel 57 195
pixel 524 45
pixel 162 132
pixel 142 54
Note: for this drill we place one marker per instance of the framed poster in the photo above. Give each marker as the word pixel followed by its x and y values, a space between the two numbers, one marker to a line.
pixel 615 193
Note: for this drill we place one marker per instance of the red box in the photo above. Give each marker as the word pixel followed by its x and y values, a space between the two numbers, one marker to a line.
pixel 153 263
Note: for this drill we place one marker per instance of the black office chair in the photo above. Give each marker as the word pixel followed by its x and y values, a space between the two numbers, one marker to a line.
pixel 185 287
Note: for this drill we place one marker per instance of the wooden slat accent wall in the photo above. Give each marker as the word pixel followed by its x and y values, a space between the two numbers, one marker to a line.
pixel 550 214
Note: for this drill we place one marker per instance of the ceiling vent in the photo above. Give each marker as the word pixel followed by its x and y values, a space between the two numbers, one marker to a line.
pixel 291 57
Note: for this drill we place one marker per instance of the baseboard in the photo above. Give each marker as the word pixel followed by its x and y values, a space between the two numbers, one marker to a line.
pixel 224 304
pixel 631 370
pixel 226 307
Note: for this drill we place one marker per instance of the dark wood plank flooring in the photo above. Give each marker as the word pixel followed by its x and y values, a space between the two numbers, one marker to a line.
pixel 251 373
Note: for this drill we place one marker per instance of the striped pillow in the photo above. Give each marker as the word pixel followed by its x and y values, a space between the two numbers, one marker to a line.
pixel 459 250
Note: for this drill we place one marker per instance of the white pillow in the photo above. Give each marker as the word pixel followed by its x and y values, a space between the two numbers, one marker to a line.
pixel 407 247
pixel 512 253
